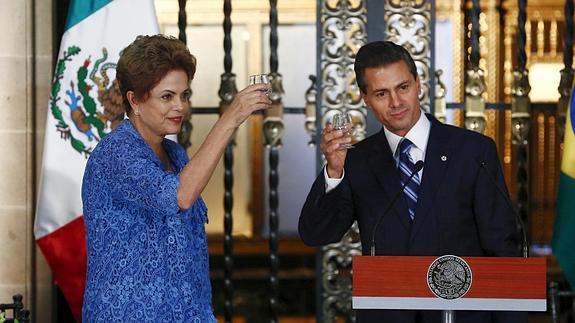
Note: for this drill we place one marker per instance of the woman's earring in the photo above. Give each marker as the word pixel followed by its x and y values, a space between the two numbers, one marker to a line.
pixel 137 112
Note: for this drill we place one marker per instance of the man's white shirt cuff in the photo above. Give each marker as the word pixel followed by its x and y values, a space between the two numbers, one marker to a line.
pixel 331 183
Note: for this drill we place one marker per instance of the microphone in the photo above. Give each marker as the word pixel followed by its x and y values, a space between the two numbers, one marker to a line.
pixel 417 167
pixel 524 248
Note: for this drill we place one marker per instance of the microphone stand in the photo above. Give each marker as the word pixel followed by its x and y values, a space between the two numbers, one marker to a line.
pixel 524 246
pixel 448 316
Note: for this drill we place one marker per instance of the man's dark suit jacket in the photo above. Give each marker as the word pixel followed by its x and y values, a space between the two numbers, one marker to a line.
pixel 459 210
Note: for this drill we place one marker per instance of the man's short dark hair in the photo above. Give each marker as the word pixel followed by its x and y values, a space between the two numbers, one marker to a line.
pixel 380 53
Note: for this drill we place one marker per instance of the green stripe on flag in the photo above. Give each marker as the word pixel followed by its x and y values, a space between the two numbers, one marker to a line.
pixel 564 233
pixel 80 9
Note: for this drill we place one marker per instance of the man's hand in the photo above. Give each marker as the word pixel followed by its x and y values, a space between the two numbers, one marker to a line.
pixel 330 146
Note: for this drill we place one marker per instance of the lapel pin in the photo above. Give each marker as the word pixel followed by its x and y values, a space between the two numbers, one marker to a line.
pixel 443 158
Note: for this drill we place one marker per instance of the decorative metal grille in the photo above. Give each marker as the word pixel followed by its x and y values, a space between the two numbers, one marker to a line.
pixel 408 23
pixel 342 28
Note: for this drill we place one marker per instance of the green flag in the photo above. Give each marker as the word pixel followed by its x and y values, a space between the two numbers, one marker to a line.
pixel 564 233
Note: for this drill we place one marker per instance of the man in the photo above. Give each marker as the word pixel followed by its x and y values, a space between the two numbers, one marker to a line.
pixel 451 206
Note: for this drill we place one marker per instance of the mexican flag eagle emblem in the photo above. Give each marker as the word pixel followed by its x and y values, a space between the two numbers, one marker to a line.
pixel 80 120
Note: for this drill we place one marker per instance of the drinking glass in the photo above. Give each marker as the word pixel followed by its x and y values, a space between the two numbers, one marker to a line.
pixel 342 121
pixel 261 78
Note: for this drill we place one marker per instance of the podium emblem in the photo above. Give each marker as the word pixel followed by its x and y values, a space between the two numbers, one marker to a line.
pixel 449 277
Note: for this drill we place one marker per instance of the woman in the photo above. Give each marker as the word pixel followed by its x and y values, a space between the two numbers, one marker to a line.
pixel 147 250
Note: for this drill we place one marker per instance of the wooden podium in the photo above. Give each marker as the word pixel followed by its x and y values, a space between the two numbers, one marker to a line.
pixel 449 283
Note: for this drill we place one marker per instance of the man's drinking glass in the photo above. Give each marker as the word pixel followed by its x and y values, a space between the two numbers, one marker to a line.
pixel 342 121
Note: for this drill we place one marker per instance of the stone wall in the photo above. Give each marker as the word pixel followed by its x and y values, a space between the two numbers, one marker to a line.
pixel 26 53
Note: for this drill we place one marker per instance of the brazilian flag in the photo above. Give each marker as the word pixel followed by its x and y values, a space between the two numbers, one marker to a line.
pixel 564 233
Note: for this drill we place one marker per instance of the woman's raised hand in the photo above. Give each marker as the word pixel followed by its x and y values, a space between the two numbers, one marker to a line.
pixel 246 102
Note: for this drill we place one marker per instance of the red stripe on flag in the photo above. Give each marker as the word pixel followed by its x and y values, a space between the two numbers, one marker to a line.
pixel 65 252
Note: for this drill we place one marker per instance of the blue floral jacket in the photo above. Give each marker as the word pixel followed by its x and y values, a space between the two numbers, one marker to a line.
pixel 147 259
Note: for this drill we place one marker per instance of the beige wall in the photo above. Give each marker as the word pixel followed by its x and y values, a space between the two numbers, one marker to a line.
pixel 25 65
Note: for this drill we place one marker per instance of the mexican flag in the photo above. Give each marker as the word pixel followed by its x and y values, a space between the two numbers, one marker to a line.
pixel 564 233
pixel 84 106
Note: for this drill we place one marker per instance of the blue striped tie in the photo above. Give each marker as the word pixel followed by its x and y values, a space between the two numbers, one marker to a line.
pixel 406 167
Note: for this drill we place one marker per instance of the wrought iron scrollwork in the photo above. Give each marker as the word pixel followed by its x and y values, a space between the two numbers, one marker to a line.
pixel 520 116
pixel 273 117
pixel 565 86
pixel 227 92
pixel 228 89
pixel 440 101
pixel 310 111
pixel 20 314
pixel 273 180
pixel 408 23
pixel 475 83
pixel 336 276
pixel 343 26
pixel 186 131
pixel 520 107
pixel 273 129
pixel 343 31
pixel 474 101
